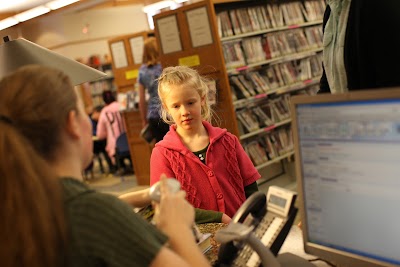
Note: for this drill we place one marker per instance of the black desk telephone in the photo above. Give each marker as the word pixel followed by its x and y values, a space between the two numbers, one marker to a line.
pixel 267 218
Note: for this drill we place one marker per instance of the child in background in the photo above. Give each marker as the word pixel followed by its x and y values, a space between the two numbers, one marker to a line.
pixel 99 145
pixel 209 162
pixel 110 126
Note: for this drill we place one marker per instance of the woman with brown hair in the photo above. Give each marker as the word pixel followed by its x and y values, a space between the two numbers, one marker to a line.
pixel 49 217
pixel 148 75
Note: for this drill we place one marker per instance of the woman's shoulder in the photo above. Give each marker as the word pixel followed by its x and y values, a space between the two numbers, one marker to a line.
pixel 78 196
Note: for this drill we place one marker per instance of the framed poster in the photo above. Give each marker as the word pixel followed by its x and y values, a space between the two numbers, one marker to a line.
pixel 199 26
pixel 136 44
pixel 119 55
pixel 169 34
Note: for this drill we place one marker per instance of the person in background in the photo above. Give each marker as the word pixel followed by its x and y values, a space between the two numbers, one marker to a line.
pixel 209 162
pixel 99 146
pixel 148 75
pixel 49 217
pixel 110 126
pixel 94 118
pixel 361 50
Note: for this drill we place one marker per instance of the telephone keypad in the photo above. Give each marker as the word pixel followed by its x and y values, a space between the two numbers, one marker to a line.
pixel 266 231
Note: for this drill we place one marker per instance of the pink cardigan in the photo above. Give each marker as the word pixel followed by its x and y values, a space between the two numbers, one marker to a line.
pixel 217 185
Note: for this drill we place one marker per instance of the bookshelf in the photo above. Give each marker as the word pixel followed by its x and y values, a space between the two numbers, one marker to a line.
pixel 105 83
pixel 259 53
pixel 126 54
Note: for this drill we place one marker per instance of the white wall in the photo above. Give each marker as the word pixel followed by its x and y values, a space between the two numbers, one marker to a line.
pixel 62 32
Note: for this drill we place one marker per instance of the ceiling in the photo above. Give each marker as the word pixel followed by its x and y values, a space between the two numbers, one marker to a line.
pixel 11 7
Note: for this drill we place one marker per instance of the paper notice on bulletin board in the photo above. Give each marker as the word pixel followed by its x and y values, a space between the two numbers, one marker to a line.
pixel 199 26
pixel 119 55
pixel 137 49
pixel 190 61
pixel 131 74
pixel 169 34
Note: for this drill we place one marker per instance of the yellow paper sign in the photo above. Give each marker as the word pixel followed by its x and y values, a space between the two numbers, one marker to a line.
pixel 131 74
pixel 190 61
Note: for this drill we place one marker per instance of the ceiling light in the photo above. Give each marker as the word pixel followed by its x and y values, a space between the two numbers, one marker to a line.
pixel 6 23
pixel 59 4
pixel 32 13
pixel 157 6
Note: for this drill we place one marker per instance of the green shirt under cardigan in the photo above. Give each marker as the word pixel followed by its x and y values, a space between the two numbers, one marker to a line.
pixel 104 231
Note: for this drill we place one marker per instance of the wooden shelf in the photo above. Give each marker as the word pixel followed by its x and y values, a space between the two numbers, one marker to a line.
pixel 275 160
pixel 265 129
pixel 241 103
pixel 280 59
pixel 284 28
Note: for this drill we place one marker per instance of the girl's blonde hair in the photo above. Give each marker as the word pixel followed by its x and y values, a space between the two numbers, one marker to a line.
pixel 190 78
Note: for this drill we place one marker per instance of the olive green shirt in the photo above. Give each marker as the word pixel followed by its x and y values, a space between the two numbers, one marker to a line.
pixel 104 231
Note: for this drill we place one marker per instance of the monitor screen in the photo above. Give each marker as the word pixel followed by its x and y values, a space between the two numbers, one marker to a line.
pixel 348 171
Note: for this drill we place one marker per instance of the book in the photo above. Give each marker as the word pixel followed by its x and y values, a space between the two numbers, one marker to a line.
pixel 235 22
pixel 266 121
pixel 236 83
pixel 205 242
pixel 248 120
pixel 256 152
pixel 247 85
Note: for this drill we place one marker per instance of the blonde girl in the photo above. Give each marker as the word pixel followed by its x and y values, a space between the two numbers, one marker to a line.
pixel 209 162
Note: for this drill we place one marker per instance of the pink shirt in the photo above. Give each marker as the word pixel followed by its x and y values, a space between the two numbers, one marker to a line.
pixel 217 185
pixel 110 126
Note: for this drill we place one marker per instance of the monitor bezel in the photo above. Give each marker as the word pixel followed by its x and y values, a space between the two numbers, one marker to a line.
pixel 334 256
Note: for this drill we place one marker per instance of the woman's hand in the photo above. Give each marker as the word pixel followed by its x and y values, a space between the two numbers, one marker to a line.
pixel 173 212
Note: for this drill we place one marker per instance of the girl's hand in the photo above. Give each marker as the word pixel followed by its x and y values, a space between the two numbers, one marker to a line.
pixel 173 212
pixel 226 219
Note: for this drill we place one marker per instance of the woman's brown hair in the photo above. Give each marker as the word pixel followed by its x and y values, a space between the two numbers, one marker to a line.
pixel 34 105
pixel 150 51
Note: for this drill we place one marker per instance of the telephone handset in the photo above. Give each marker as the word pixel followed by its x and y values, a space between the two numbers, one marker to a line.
pixel 269 217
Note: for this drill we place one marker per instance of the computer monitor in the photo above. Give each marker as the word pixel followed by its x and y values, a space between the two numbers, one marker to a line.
pixel 347 150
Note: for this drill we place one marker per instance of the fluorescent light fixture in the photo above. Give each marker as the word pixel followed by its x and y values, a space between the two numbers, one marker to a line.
pixel 150 19
pixel 8 22
pixel 32 13
pixel 10 6
pixel 157 6
pixel 53 5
